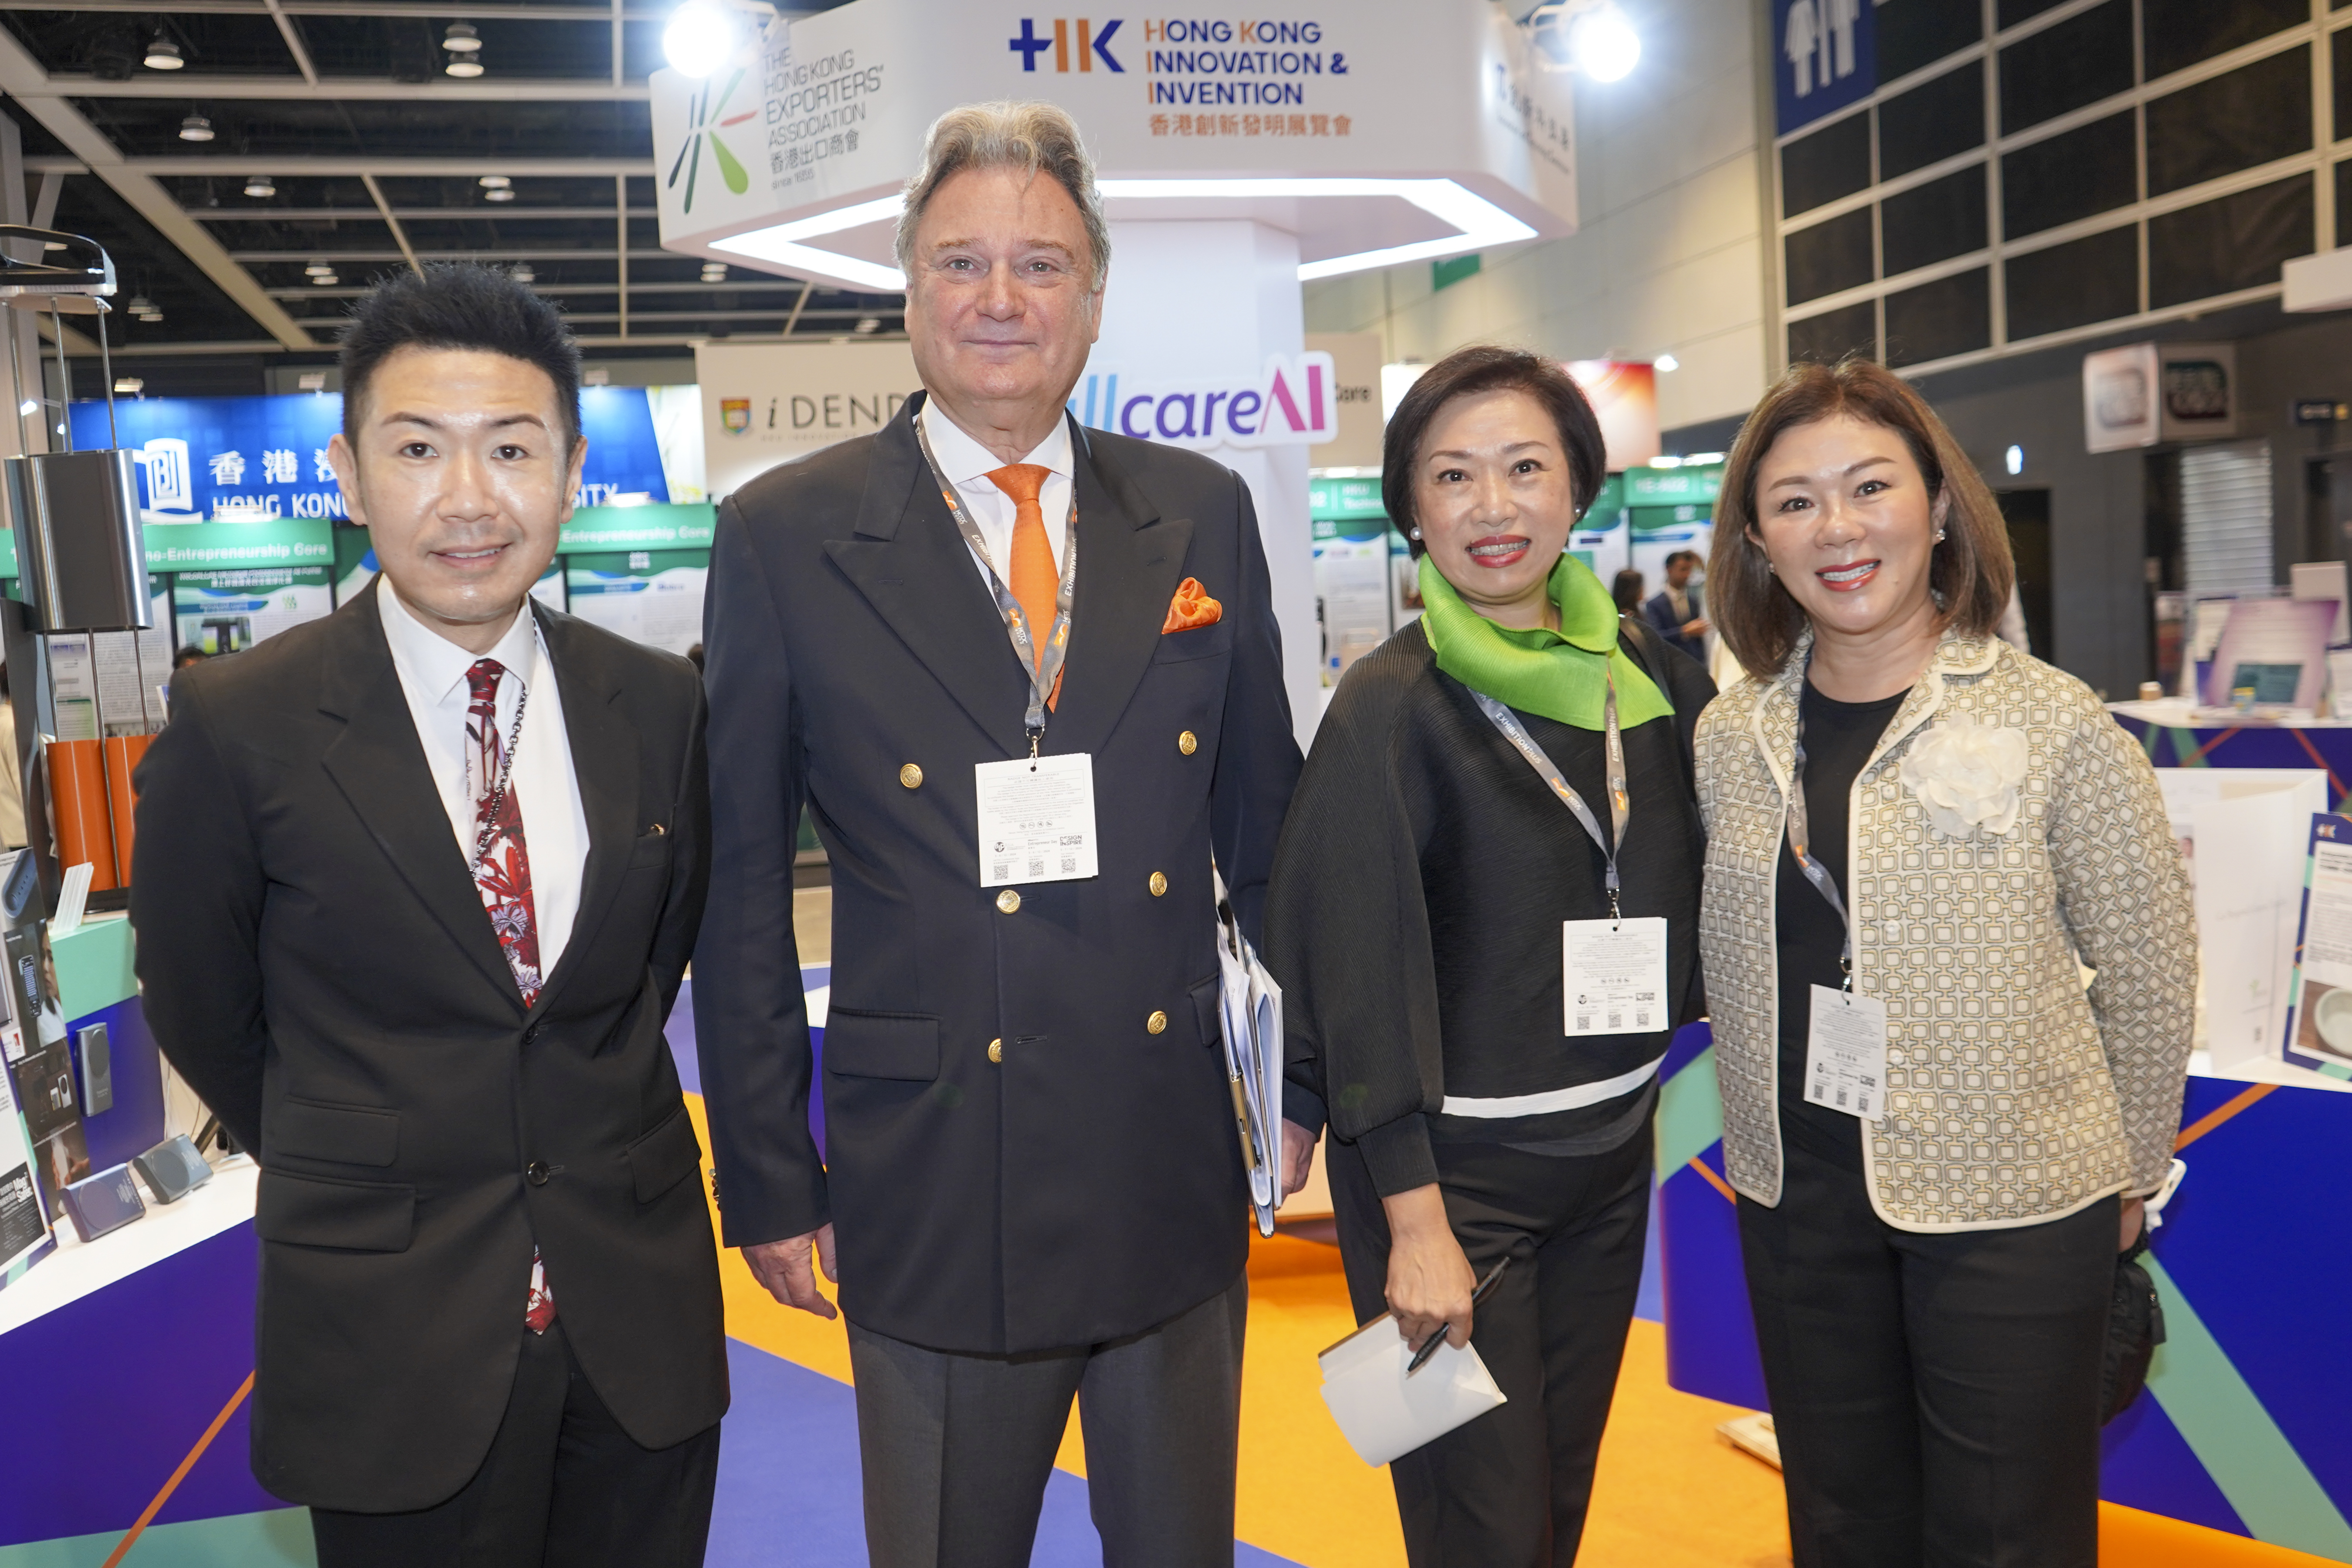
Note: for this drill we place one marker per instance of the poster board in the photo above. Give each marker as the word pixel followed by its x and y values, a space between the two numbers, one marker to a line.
pixel 2318 1032
pixel 649 596
pixel 223 612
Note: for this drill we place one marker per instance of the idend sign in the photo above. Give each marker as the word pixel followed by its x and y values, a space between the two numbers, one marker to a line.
pixel 1293 402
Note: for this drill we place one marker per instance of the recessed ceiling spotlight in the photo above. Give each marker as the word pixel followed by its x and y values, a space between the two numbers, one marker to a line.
pixel 466 67
pixel 315 268
pixel 130 384
pixel 196 128
pixel 261 187
pixel 1666 363
pixel 699 39
pixel 494 181
pixel 523 273
pixel 869 324
pixel 163 55
pixel 498 194
pixel 323 279
pixel 461 39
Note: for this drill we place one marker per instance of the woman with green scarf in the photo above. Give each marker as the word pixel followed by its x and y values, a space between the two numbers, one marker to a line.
pixel 1484 916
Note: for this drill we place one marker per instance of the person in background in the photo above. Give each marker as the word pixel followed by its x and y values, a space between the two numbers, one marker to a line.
pixel 1030 1152
pixel 1678 611
pixel 187 656
pixel 416 885
pixel 1626 591
pixel 1917 837
pixel 1416 925
pixel 694 658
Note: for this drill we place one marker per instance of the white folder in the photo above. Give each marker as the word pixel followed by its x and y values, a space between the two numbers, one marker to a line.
pixel 1250 1009
pixel 1383 1413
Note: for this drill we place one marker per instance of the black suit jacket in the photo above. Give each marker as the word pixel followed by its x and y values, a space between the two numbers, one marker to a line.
pixel 1089 1185
pixel 317 965
pixel 1659 611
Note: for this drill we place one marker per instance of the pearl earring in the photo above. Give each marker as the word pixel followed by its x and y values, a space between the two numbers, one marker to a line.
pixel 1939 536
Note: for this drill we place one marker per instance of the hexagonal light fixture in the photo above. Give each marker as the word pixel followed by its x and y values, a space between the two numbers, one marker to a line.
pixel 130 385
pixel 260 186
pixel 461 39
pixel 464 66
pixel 495 188
pixel 316 266
pixel 163 55
pixel 523 274
pixel 196 128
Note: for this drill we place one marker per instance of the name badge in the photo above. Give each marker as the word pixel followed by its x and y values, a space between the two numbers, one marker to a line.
pixel 1036 819
pixel 1845 1054
pixel 1612 976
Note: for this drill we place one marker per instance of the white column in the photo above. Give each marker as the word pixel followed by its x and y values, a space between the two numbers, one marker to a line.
pixel 1211 298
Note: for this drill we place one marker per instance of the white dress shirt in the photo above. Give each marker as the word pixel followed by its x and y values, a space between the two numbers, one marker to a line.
pixel 967 463
pixel 555 826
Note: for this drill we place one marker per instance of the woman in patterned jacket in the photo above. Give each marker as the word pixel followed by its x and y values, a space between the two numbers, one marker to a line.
pixel 1917 838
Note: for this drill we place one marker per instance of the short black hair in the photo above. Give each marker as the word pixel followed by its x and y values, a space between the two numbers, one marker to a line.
pixel 1469 373
pixel 459 305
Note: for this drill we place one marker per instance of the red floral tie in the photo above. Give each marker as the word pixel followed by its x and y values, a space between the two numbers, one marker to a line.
pixel 502 873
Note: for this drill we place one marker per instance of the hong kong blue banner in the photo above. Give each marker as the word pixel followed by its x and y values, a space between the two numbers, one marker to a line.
pixel 249 459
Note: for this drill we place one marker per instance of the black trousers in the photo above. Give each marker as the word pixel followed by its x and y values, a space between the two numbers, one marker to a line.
pixel 562 1487
pixel 956 1450
pixel 1509 1489
pixel 1936 1396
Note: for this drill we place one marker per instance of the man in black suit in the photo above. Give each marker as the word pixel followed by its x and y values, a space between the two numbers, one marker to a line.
pixel 1031 1156
pixel 415 886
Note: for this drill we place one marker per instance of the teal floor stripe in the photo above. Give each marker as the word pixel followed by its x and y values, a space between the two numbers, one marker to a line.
pixel 277 1539
pixel 1690 1114
pixel 2234 1438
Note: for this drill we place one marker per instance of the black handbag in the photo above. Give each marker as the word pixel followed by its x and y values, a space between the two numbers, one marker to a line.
pixel 2135 1328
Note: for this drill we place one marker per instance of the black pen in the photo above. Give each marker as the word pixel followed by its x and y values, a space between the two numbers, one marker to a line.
pixel 1429 1346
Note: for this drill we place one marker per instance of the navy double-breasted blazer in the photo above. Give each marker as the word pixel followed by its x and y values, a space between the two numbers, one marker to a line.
pixel 1082 1182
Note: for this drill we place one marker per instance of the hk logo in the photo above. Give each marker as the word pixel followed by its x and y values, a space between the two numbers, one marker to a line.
pixel 1092 46
pixel 735 414
pixel 705 112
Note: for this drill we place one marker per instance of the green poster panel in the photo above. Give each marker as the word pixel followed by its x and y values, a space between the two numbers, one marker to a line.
pixel 233 546
pixel 683 526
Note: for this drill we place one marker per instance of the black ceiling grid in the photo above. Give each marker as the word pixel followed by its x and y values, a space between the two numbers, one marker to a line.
pixel 341 151
pixel 2034 172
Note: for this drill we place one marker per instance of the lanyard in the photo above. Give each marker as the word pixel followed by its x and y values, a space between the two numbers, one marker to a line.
pixel 1621 805
pixel 1800 840
pixel 1041 673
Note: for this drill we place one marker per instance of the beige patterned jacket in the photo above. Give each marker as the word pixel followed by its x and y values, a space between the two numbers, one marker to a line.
pixel 2014 1096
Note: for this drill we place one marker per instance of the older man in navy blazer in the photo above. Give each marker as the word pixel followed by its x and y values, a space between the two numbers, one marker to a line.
pixel 1031 1162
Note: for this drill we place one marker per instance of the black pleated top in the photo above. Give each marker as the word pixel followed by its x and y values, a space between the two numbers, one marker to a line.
pixel 1414 919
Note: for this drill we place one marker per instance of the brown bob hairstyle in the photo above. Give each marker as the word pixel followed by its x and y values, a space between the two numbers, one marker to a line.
pixel 1970 571
pixel 1474 371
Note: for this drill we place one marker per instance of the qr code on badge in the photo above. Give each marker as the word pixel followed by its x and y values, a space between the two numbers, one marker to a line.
pixel 1069 864
pixel 1003 870
pixel 1037 867
pixel 1616 1020
pixel 1642 1020
pixel 1584 1020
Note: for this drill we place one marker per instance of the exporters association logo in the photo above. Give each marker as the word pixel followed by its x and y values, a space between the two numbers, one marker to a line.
pixel 1092 43
pixel 735 414
pixel 704 112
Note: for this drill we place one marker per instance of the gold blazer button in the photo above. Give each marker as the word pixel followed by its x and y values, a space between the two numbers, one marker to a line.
pixel 1157 1023
pixel 996 1050
pixel 1187 743
pixel 1159 883
pixel 911 776
pixel 1008 900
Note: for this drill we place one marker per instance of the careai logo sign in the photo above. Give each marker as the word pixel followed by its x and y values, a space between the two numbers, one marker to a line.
pixel 1293 403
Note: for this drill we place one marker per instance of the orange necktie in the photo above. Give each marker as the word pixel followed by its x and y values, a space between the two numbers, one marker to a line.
pixel 1034 579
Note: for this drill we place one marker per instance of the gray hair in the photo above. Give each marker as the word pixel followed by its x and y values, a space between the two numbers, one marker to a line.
pixel 1035 138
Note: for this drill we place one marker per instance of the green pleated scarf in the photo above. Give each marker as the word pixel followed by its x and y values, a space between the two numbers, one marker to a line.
pixel 1560 674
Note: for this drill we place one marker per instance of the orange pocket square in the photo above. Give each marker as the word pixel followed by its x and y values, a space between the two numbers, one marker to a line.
pixel 1190 608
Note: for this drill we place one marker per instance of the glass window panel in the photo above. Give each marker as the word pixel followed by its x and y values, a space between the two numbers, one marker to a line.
pixel 1934 120
pixel 2062 68
pixel 2095 278
pixel 1934 320
pixel 1933 222
pixel 2181 32
pixel 2230 122
pixel 2344 196
pixel 1832 162
pixel 2013 12
pixel 1914 33
pixel 2094 169
pixel 2340 65
pixel 1828 256
pixel 1833 334
pixel 2231 243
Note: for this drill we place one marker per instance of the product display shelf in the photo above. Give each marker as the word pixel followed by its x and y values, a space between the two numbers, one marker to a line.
pixel 2174 736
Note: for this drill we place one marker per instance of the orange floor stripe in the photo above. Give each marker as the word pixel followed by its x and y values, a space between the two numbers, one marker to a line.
pixel 2220 1113
pixel 1669 1493
pixel 156 1503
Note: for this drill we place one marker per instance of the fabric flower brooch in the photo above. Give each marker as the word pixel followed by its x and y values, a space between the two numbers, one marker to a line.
pixel 1969 776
